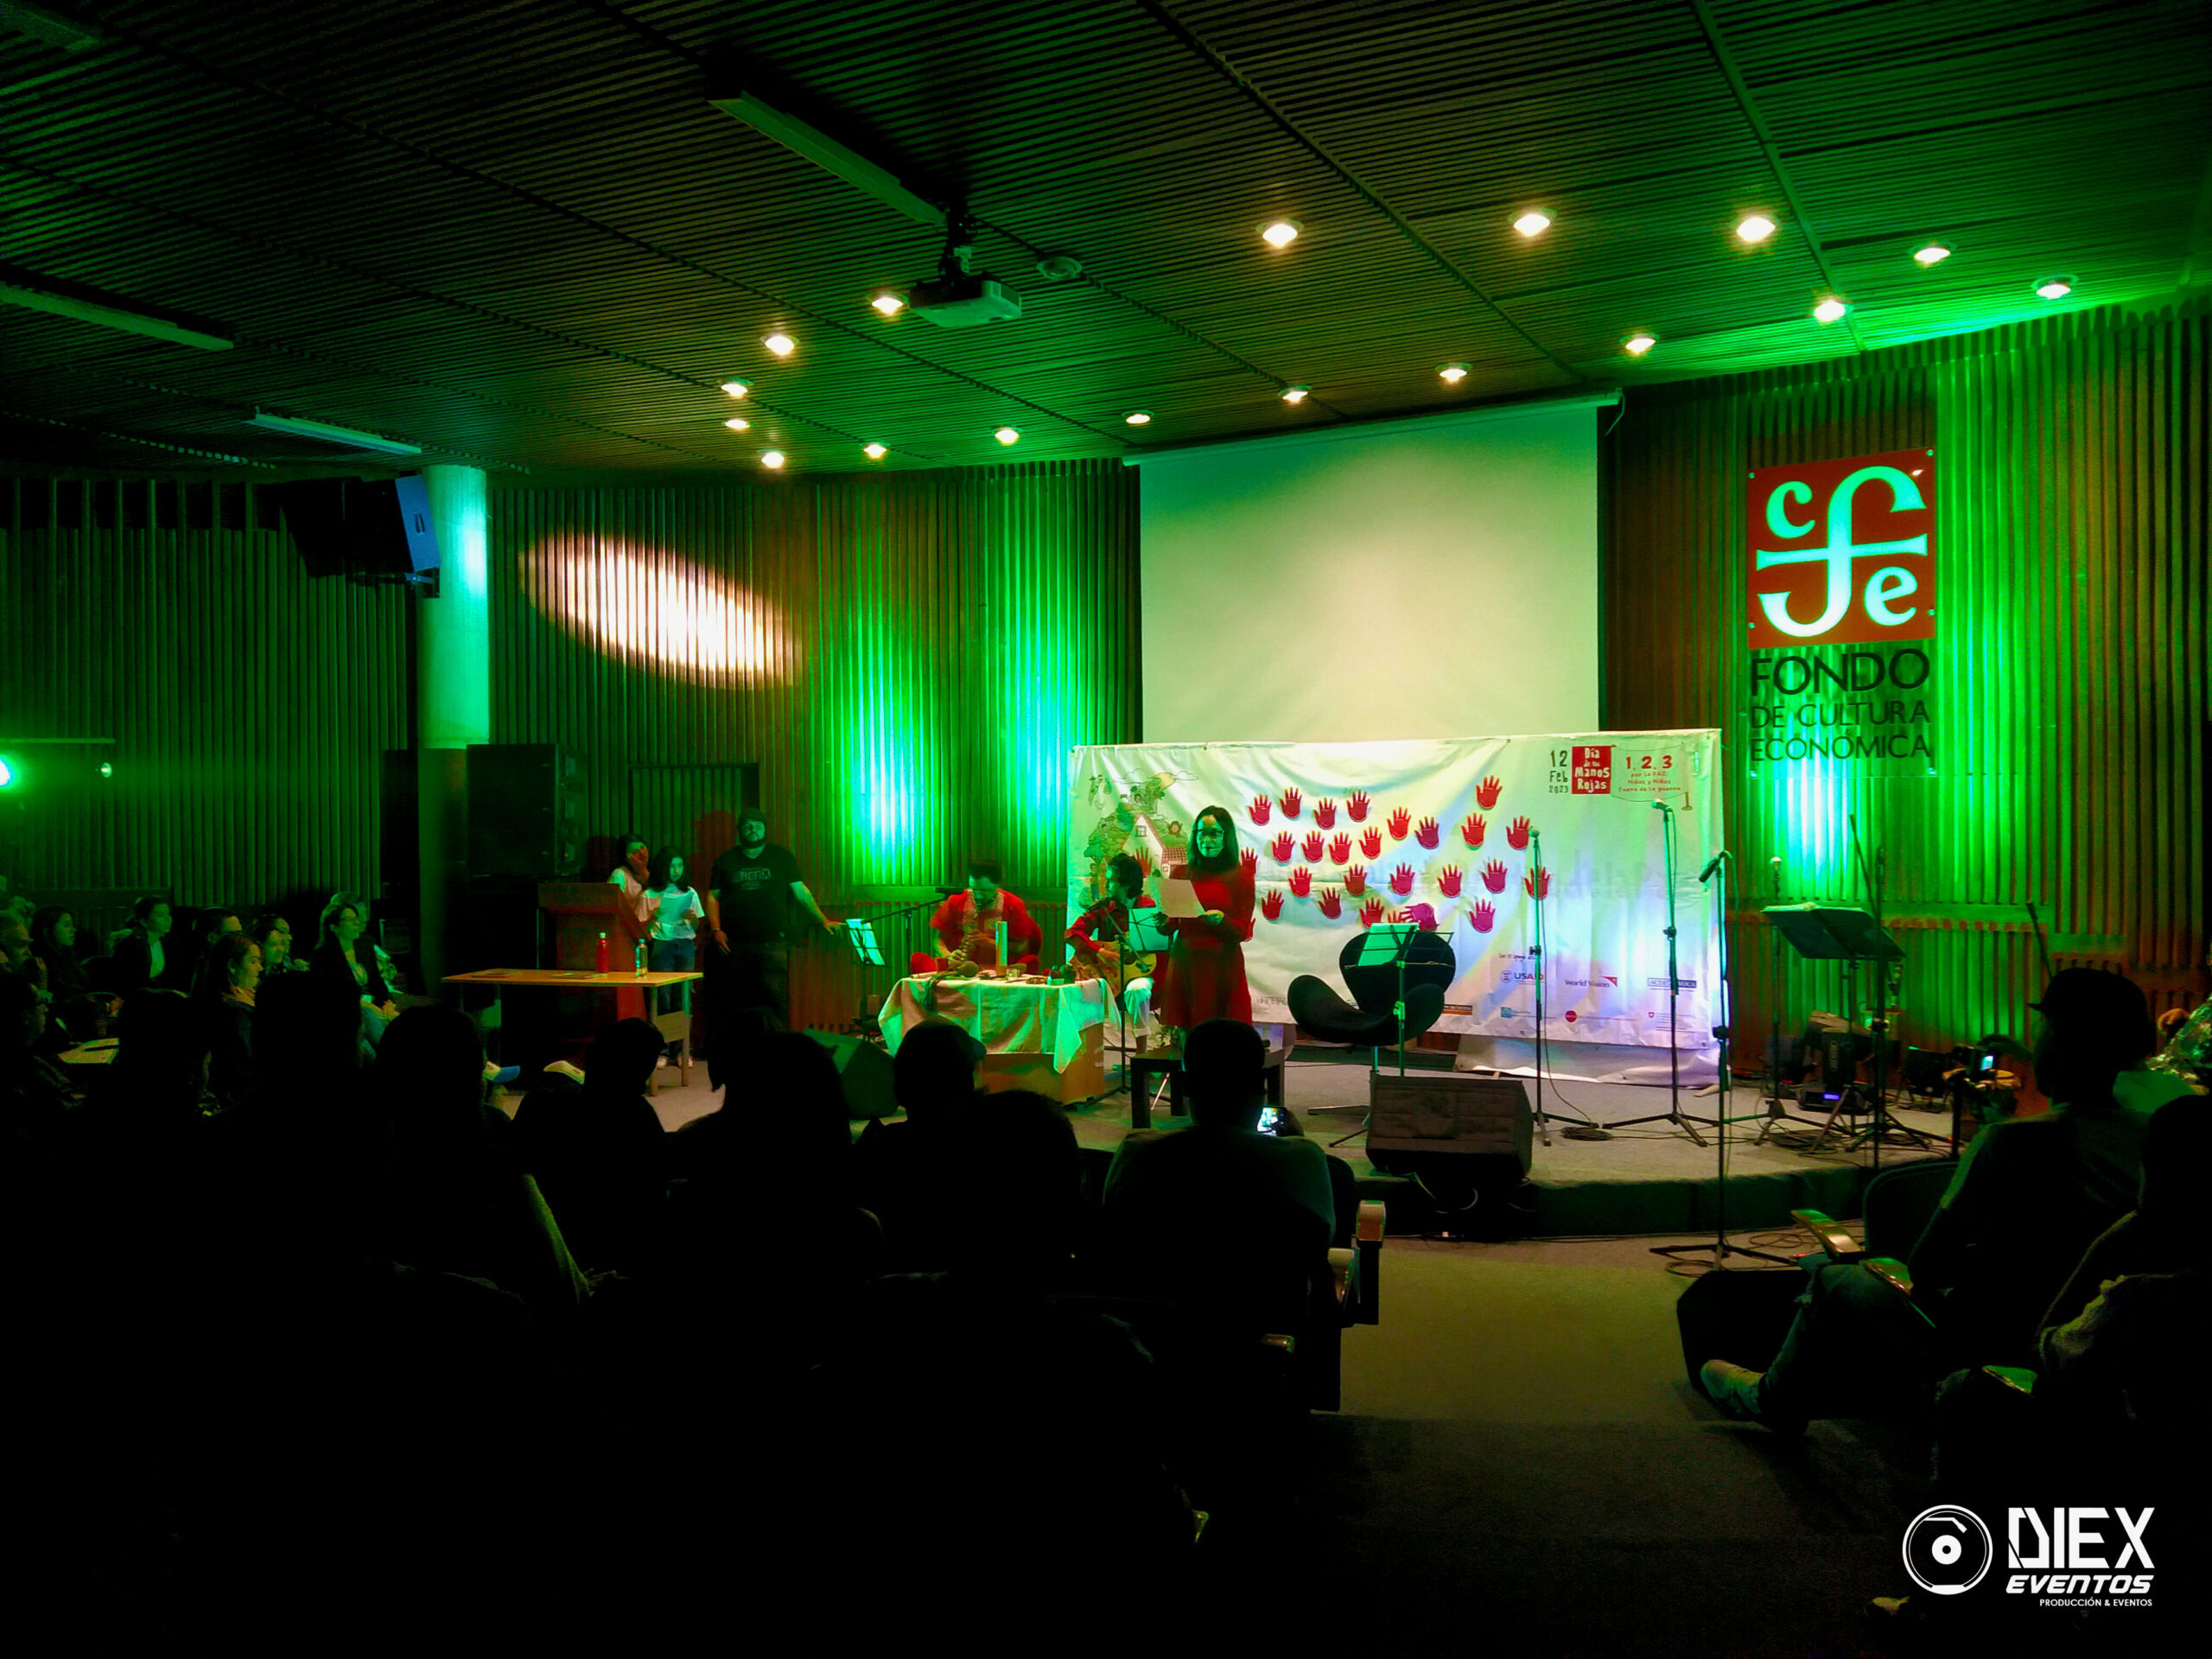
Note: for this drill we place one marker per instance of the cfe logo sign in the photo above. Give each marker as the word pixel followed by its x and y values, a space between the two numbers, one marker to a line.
pixel 1843 552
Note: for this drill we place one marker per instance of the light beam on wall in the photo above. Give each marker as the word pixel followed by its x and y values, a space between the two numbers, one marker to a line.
pixel 658 609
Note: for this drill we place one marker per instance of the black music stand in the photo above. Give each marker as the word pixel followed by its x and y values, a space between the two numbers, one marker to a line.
pixel 1844 934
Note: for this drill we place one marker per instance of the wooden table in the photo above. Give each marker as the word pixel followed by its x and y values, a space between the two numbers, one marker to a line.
pixel 675 1024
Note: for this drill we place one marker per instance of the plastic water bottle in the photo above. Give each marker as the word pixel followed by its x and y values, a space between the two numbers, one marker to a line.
pixel 641 958
pixel 601 961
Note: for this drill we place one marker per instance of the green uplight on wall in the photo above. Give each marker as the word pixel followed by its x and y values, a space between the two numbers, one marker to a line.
pixel 7 772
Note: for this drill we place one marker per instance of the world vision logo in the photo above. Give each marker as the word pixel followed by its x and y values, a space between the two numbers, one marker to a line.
pixel 1843 552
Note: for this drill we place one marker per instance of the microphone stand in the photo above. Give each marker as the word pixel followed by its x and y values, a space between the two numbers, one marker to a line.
pixel 1673 1114
pixel 1721 1248
pixel 1536 950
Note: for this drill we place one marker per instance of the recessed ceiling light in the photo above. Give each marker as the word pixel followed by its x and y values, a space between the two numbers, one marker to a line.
pixel 772 458
pixel 1829 309
pixel 887 301
pixel 874 451
pixel 1138 417
pixel 1008 435
pixel 1930 253
pixel 1280 232
pixel 738 423
pixel 735 388
pixel 2055 288
pixel 1533 223
pixel 1295 394
pixel 1755 227
pixel 782 345
pixel 1453 373
pixel 1637 344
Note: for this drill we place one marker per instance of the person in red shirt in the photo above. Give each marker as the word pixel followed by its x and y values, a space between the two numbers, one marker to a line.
pixel 1204 976
pixel 967 925
pixel 1097 936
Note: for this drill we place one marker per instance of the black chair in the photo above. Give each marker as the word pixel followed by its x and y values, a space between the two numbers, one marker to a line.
pixel 1323 1015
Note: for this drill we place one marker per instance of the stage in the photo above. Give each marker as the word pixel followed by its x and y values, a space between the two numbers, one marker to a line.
pixel 1649 1179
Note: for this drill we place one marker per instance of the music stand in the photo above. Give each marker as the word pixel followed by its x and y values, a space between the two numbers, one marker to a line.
pixel 861 935
pixel 1385 945
pixel 1145 934
pixel 1845 934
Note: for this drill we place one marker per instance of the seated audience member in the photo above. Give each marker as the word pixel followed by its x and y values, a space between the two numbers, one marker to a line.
pixel 17 956
pixel 2113 1380
pixel 774 1162
pixel 230 975
pixel 343 959
pixel 34 1095
pixel 967 925
pixel 274 934
pixel 2029 1196
pixel 453 1200
pixel 190 944
pixel 598 1151
pixel 1219 1216
pixel 907 1173
pixel 138 955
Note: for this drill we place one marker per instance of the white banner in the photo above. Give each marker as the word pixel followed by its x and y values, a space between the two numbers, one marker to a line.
pixel 1445 832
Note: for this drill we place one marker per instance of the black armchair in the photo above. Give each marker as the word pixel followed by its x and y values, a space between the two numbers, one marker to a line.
pixel 1370 1021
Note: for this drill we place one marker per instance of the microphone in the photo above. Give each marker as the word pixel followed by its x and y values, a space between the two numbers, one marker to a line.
pixel 1712 864
pixel 1661 806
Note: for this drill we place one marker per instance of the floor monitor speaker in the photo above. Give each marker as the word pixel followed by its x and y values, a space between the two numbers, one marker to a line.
pixel 1449 1112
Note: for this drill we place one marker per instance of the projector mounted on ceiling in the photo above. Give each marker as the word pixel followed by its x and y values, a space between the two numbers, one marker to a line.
pixel 960 298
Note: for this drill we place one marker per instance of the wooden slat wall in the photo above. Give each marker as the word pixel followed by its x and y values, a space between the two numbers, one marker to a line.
pixel 924 650
pixel 2070 664
pixel 249 704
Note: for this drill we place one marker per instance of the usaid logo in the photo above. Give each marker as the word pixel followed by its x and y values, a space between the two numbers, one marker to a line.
pixel 1843 552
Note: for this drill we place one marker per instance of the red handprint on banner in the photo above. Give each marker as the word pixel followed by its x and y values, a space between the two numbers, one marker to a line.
pixel 1474 828
pixel 1402 879
pixel 1400 821
pixel 1283 846
pixel 1249 859
pixel 1537 884
pixel 1144 861
pixel 1262 809
pixel 1357 806
pixel 1356 879
pixel 1312 846
pixel 1329 903
pixel 1427 834
pixel 1494 876
pixel 1447 880
pixel 1271 906
pixel 1289 800
pixel 1301 882
pixel 1340 847
pixel 1402 916
pixel 1516 834
pixel 1370 842
pixel 1324 813
pixel 1370 912
pixel 1483 916
pixel 1486 793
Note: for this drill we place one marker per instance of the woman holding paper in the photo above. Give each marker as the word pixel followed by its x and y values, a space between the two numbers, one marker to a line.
pixel 1204 976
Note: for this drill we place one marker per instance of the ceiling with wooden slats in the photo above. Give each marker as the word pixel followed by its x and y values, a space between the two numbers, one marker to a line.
pixel 519 236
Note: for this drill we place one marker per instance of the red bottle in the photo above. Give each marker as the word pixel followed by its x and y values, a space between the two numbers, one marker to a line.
pixel 601 961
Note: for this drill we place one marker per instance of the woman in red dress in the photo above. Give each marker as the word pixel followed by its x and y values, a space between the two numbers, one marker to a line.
pixel 1204 978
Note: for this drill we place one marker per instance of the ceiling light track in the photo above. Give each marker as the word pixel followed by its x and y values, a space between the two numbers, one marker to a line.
pixel 1312 146
pixel 1727 61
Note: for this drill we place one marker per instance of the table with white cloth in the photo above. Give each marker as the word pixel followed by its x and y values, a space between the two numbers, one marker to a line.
pixel 1036 1035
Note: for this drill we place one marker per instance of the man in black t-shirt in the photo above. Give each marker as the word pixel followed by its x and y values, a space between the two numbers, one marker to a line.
pixel 750 895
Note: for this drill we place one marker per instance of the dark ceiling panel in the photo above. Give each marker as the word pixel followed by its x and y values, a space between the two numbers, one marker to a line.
pixel 521 236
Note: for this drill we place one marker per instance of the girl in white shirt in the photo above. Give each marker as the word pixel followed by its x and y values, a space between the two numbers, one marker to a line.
pixel 675 941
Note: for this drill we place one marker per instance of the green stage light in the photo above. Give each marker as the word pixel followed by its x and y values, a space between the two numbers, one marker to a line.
pixel 7 772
